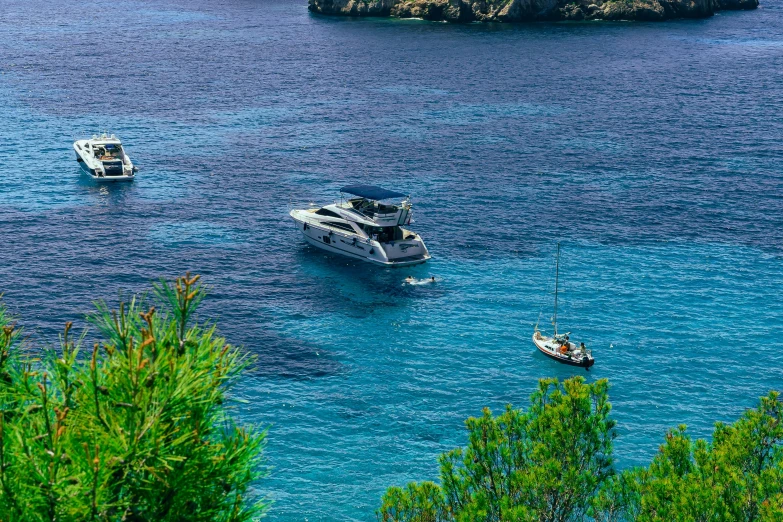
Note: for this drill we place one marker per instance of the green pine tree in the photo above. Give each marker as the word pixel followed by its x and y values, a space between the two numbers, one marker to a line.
pixel 136 429
pixel 543 464
pixel 736 477
pixel 553 463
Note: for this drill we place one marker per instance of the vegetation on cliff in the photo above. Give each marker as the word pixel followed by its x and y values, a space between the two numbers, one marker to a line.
pixel 554 462
pixel 136 429
pixel 529 10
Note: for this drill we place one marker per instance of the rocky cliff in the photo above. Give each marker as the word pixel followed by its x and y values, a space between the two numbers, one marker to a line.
pixel 529 10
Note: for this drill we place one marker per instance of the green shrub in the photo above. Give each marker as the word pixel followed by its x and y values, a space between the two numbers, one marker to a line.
pixel 553 463
pixel 542 464
pixel 136 429
pixel 736 477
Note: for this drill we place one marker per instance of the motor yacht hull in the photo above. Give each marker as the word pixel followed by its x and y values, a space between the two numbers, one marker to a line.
pixel 102 171
pixel 353 246
pixel 110 178
pixel 546 346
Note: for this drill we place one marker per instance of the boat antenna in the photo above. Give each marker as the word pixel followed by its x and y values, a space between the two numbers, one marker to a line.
pixel 557 275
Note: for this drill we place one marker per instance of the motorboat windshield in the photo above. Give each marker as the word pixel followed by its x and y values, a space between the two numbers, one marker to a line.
pixel 108 151
pixel 372 208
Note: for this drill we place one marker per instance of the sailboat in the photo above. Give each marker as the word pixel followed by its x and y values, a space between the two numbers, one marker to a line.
pixel 559 347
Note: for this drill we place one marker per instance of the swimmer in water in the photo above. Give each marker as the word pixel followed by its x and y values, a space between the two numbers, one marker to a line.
pixel 410 280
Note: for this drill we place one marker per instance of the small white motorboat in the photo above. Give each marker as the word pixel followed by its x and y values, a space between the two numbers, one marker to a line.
pixel 558 346
pixel 363 227
pixel 104 159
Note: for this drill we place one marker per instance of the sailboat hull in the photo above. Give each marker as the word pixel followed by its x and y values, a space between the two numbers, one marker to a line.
pixel 547 347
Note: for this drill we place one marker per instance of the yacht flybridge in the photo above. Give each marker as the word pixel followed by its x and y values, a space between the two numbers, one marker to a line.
pixel 104 158
pixel 363 227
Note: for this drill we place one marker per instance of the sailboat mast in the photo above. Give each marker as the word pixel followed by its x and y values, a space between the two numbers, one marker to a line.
pixel 557 276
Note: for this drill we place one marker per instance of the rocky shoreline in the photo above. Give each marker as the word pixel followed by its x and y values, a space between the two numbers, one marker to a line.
pixel 529 10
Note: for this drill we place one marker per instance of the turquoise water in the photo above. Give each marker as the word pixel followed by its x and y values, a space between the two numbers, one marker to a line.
pixel 651 151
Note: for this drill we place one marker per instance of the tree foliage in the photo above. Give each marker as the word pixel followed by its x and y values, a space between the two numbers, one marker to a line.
pixel 135 429
pixel 736 477
pixel 554 462
pixel 545 463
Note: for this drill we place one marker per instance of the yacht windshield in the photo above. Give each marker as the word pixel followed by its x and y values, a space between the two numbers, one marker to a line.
pixel 371 208
pixel 325 212
pixel 108 151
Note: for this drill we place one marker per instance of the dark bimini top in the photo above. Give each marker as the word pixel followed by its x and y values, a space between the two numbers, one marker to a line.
pixel 371 192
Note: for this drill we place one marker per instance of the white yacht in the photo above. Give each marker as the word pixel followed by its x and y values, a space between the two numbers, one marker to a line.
pixel 363 227
pixel 104 158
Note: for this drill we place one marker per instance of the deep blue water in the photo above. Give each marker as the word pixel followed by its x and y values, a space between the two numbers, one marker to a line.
pixel 652 151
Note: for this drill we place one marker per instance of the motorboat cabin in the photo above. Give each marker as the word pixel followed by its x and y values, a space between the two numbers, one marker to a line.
pixel 104 158
pixel 364 225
